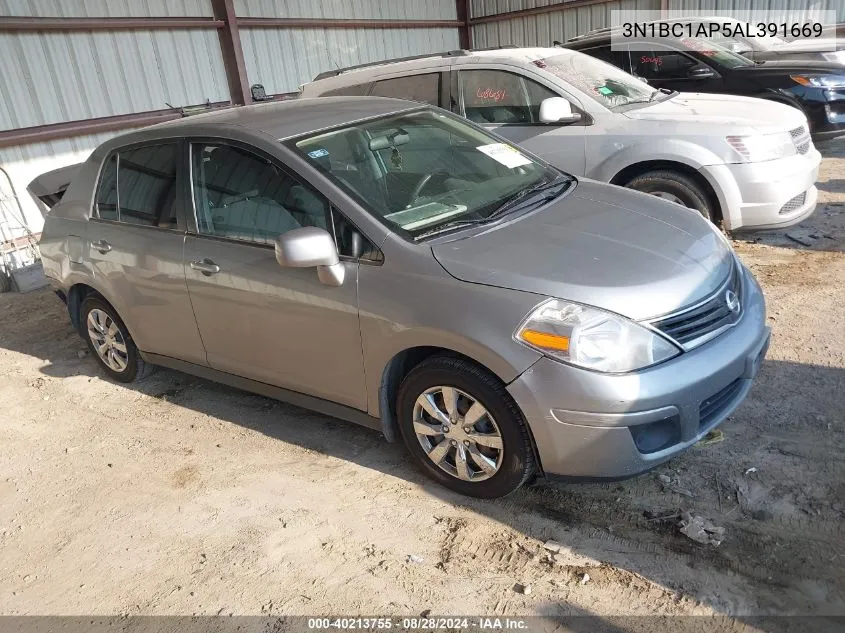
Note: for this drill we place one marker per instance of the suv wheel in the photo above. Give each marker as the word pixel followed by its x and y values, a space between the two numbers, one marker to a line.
pixel 676 187
pixel 109 341
pixel 463 429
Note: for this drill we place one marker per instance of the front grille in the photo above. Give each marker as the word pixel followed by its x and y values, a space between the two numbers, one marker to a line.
pixel 715 405
pixel 705 318
pixel 795 203
pixel 801 138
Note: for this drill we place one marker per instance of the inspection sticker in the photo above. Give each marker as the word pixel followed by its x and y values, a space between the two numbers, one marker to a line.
pixel 504 154
pixel 318 153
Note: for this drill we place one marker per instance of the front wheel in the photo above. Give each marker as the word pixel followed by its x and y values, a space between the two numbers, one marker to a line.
pixel 675 187
pixel 463 429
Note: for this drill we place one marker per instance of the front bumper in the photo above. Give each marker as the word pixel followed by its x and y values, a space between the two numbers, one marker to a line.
pixel 825 110
pixel 585 423
pixel 763 195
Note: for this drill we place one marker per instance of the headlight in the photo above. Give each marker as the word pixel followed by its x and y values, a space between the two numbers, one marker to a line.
pixel 762 147
pixel 592 338
pixel 820 81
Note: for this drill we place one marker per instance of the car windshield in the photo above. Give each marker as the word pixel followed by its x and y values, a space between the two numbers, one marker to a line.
pixel 605 83
pixel 425 170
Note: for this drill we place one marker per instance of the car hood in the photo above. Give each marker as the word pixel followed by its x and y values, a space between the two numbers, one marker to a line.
pixel 790 66
pixel 719 109
pixel 601 245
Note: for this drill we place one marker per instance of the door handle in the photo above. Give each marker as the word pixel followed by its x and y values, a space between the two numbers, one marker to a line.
pixel 101 245
pixel 205 266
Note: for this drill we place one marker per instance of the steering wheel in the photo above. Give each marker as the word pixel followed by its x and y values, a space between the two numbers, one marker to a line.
pixel 423 182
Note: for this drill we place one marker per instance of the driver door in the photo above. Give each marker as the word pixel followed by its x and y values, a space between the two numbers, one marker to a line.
pixel 276 325
pixel 509 104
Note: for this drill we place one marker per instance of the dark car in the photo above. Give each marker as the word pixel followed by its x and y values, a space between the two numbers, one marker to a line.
pixel 699 65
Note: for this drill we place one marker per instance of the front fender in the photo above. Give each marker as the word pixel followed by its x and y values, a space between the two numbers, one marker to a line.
pixel 667 150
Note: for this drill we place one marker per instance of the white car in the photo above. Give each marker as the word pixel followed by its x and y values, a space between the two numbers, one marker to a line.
pixel 745 162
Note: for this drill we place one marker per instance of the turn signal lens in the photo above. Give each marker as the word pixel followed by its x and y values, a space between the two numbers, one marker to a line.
pixel 546 341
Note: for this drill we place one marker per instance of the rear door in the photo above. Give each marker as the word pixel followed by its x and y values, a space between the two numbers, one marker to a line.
pixel 134 244
pixel 509 104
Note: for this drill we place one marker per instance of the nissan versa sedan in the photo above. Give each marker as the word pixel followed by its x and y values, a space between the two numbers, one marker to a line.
pixel 397 266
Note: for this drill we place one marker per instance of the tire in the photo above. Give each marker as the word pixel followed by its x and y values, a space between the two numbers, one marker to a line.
pixel 125 363
pixel 514 461
pixel 672 184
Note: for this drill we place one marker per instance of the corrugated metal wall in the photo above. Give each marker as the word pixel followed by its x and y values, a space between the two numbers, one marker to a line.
pixel 282 59
pixel 544 28
pixel 52 77
pixel 774 7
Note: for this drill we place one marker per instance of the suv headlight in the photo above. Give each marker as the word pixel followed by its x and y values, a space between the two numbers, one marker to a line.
pixel 592 338
pixel 762 147
pixel 820 81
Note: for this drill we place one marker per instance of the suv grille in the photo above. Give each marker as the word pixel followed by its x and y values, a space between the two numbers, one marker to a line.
pixel 707 318
pixel 795 203
pixel 801 138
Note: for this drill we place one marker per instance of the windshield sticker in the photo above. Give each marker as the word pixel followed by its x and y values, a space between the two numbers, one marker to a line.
pixel 490 94
pixel 318 153
pixel 504 154
pixel 604 90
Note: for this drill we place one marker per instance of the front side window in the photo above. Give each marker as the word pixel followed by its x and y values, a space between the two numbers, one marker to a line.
pixel 243 196
pixel 496 96
pixel 424 169
pixel 138 186
pixel 660 63
pixel 423 88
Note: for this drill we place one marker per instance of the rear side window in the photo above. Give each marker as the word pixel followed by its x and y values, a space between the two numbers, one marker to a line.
pixel 146 181
pixel 138 186
pixel 423 88
pixel 107 193
pixel 618 58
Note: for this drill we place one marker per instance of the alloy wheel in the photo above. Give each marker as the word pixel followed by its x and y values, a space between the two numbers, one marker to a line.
pixel 108 340
pixel 458 434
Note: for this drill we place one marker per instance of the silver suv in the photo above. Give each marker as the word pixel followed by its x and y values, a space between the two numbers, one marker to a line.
pixel 397 266
pixel 748 163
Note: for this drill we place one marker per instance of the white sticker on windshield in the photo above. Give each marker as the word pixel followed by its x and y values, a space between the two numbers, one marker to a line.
pixel 504 154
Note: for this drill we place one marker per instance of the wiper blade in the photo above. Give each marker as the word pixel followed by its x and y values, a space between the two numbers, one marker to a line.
pixel 448 226
pixel 518 198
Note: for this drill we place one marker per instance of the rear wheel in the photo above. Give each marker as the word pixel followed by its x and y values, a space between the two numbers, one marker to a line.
pixel 109 341
pixel 463 429
pixel 675 187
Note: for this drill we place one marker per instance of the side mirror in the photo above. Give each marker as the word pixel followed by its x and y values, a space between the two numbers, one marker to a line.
pixel 557 110
pixel 309 247
pixel 701 72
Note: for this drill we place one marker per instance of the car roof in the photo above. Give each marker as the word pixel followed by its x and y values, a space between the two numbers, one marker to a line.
pixel 358 74
pixel 279 119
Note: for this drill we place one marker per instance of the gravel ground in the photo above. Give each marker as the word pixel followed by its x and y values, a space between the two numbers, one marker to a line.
pixel 178 496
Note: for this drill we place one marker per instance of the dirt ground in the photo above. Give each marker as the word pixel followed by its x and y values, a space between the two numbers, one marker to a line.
pixel 178 496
